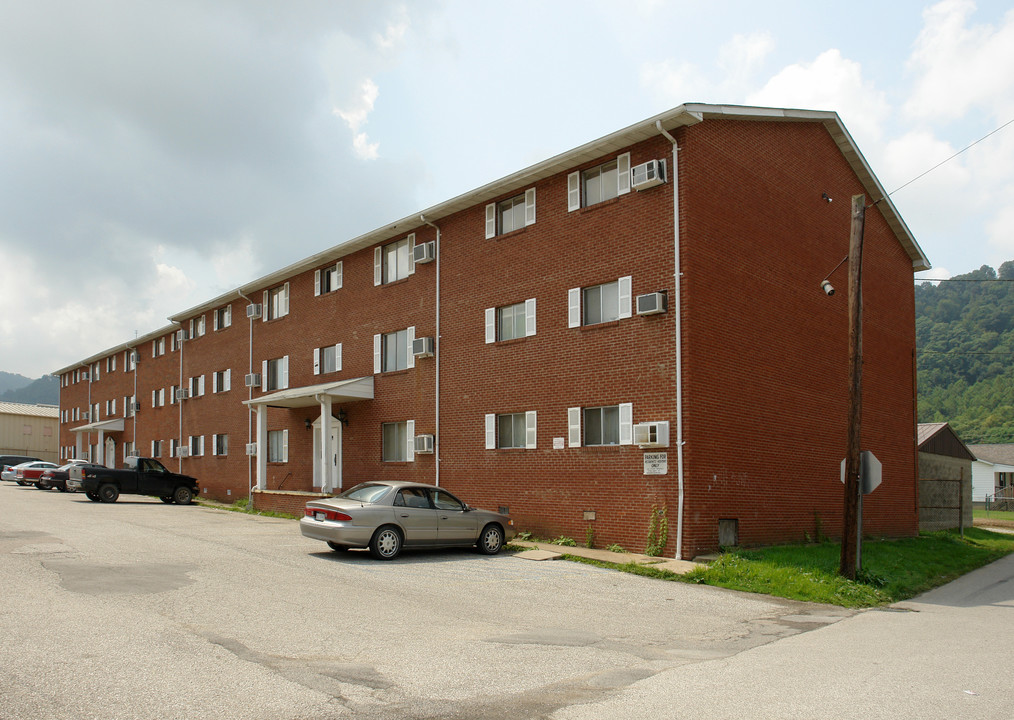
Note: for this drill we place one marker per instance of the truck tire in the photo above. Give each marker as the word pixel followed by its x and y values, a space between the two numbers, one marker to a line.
pixel 183 495
pixel 93 497
pixel 167 499
pixel 108 493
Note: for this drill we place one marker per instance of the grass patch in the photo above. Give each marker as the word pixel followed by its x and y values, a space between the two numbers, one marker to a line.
pixel 243 506
pixel 993 515
pixel 893 570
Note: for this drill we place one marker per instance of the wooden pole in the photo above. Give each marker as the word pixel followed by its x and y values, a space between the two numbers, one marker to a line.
pixel 851 539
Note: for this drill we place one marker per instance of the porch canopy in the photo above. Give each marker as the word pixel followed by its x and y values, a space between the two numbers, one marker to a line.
pixel 310 395
pixel 324 396
pixel 101 427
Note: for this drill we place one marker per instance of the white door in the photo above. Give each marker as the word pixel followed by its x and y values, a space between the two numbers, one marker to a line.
pixel 109 459
pixel 318 475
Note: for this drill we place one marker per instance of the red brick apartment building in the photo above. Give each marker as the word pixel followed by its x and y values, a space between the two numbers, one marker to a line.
pixel 557 343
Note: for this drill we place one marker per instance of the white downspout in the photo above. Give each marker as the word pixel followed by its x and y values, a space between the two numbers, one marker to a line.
pixel 179 403
pixel 436 354
pixel 249 412
pixel 677 307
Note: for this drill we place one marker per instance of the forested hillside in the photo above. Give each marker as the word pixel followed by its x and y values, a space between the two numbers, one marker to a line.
pixel 965 341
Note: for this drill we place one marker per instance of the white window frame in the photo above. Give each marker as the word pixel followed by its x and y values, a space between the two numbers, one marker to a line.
pixel 196 445
pixel 576 182
pixel 381 265
pixel 575 316
pixel 276 302
pixel 220 445
pixel 492 431
pixel 196 386
pixel 379 355
pixel 318 359
pixel 283 373
pixel 493 321
pixel 575 418
pixel 494 213
pixel 221 381
pixel 327 280
pixel 406 443
pixel 284 449
pixel 222 318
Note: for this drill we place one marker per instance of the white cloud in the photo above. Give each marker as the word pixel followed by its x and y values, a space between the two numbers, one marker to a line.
pixel 830 82
pixel 959 66
pixel 356 115
pixel 741 56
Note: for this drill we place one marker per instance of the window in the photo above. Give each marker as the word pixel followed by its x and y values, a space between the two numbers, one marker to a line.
pixel 110 407
pixel 221 445
pixel 128 406
pixel 197 386
pixel 223 318
pixel 393 351
pixel 275 374
pixel 172 394
pixel 110 363
pixel 276 302
pixel 278 446
pixel 158 347
pixel 399 441
pixel 221 381
pixel 511 431
pixel 156 448
pixel 128 450
pixel 607 425
pixel 511 214
pixel 196 445
pixel 158 398
pixel 174 448
pixel 599 303
pixel 598 184
pixel 327 280
pixel 393 261
pixel 197 326
pixel 129 360
pixel 95 372
pixel 327 359
pixel 510 321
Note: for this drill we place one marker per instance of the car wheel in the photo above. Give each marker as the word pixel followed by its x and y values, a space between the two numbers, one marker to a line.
pixel 183 495
pixel 40 486
pixel 386 543
pixel 336 547
pixel 108 493
pixel 22 483
pixel 61 488
pixel 94 497
pixel 490 540
pixel 167 499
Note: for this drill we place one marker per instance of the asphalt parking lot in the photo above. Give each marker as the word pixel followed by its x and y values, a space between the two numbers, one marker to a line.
pixel 138 609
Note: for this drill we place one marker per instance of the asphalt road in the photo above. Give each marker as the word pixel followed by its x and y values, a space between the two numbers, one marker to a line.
pixel 143 610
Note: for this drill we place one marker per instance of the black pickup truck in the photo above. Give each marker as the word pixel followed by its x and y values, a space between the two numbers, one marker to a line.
pixel 139 476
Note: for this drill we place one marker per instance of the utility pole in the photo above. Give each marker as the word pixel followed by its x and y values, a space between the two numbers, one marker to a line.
pixel 850 537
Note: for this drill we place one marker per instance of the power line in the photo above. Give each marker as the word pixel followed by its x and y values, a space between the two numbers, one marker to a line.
pixel 942 162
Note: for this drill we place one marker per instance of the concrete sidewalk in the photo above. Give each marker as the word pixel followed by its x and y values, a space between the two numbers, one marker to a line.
pixel 548 551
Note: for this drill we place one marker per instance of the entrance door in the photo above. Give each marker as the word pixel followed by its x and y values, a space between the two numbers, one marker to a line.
pixel 109 458
pixel 318 475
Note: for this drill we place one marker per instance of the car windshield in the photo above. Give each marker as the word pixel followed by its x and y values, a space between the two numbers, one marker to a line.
pixel 367 492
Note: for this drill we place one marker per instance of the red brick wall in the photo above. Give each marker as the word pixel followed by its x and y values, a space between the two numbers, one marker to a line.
pixel 764 354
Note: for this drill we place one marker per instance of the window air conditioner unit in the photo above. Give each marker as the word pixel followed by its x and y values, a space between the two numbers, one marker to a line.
pixel 651 434
pixel 84 375
pixel 182 335
pixel 182 394
pixel 251 448
pixel 424 252
pixel 252 380
pixel 422 347
pixel 86 415
pixel 135 357
pixel 182 452
pixel 137 406
pixel 652 303
pixel 647 175
pixel 423 444
pixel 253 311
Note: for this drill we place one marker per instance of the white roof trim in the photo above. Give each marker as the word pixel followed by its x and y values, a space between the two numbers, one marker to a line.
pixel 114 425
pixel 309 396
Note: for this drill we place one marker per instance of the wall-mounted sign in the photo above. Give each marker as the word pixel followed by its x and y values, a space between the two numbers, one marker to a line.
pixel 656 463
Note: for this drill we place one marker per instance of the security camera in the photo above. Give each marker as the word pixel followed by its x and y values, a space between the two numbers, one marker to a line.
pixel 827 287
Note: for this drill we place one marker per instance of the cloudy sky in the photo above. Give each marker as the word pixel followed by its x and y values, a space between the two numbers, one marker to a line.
pixel 156 153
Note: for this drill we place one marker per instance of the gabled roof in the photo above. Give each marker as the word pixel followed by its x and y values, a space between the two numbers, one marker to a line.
pixel 670 120
pixel 999 454
pixel 940 439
